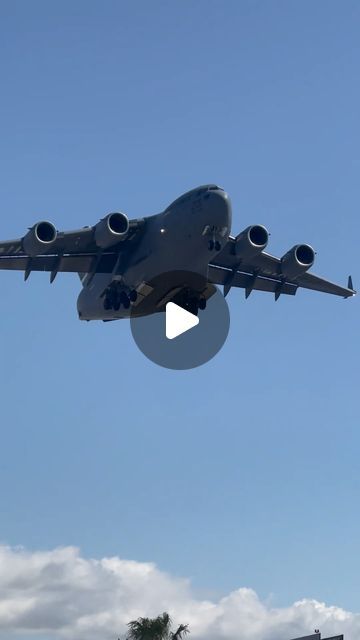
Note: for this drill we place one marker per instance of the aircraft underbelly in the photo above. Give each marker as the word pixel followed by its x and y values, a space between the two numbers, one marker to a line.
pixel 142 270
pixel 168 246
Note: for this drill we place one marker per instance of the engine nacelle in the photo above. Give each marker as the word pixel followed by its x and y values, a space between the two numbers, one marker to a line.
pixel 39 238
pixel 297 261
pixel 251 241
pixel 111 230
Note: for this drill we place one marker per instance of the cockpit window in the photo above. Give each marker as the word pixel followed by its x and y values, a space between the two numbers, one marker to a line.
pixel 186 197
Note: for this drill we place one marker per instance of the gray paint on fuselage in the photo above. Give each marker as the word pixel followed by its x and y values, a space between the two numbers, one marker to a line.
pixel 174 240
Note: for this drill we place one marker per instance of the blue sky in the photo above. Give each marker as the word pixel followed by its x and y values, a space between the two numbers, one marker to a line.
pixel 244 472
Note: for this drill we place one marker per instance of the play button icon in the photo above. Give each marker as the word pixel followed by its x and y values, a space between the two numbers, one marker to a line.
pixel 178 320
pixel 173 332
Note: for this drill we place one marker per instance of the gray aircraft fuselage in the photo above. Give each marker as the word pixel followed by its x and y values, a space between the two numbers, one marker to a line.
pixel 174 241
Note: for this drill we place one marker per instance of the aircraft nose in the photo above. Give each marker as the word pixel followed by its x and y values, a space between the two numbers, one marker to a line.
pixel 219 205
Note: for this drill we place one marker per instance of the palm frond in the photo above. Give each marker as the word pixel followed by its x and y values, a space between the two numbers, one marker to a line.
pixel 181 631
pixel 150 628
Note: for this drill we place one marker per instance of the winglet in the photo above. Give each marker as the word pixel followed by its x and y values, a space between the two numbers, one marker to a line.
pixel 350 287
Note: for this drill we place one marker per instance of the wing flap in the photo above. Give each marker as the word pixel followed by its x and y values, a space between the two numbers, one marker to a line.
pixel 249 282
pixel 67 263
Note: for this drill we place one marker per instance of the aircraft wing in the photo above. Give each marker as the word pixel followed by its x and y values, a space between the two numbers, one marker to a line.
pixel 263 272
pixel 72 251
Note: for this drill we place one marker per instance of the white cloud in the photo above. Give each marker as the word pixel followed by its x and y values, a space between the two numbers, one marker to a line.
pixel 60 594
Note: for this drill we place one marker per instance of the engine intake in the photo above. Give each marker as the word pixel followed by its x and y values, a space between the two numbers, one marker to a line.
pixel 297 261
pixel 111 230
pixel 39 239
pixel 251 241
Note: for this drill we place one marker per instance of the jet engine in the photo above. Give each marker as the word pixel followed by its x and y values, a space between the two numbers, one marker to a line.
pixel 251 241
pixel 297 261
pixel 40 238
pixel 111 229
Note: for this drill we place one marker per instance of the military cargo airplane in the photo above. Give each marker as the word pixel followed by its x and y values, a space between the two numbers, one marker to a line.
pixel 132 267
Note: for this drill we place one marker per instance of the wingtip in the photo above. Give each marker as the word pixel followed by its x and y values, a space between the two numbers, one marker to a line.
pixel 351 286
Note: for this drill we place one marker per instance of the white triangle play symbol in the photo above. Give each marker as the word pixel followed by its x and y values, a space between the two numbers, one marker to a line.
pixel 178 320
